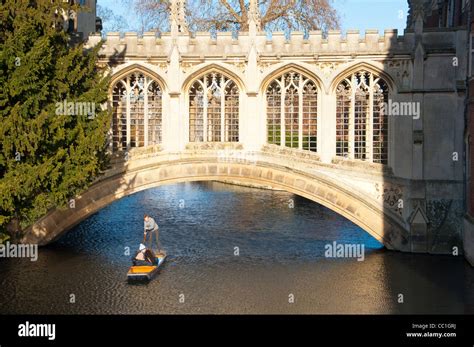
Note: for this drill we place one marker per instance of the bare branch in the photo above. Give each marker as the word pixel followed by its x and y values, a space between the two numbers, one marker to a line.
pixel 231 10
pixel 204 15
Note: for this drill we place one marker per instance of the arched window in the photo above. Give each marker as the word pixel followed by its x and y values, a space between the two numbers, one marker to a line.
pixel 137 112
pixel 214 109
pixel 361 125
pixel 292 112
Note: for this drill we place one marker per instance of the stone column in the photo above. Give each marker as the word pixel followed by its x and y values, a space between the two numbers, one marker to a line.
pixel 418 226
pixel 172 128
pixel 174 132
pixel 249 132
pixel 327 127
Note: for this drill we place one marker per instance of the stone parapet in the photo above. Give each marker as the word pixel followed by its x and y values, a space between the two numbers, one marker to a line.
pixel 278 44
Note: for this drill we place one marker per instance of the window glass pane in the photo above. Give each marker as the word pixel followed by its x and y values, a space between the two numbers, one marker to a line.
pixel 214 100
pixel 140 96
pixel 299 97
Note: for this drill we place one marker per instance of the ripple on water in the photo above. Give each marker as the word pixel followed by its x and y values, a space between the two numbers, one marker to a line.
pixel 281 252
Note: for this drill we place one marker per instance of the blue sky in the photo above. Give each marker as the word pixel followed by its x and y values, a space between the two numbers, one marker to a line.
pixel 372 14
pixel 355 14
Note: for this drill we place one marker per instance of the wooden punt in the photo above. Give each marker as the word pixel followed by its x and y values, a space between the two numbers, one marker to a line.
pixel 146 272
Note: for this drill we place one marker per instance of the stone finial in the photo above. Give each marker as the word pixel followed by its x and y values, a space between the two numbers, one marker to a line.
pixel 418 9
pixel 178 16
pixel 254 16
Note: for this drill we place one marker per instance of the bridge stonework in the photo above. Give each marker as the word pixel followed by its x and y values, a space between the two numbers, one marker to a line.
pixel 314 181
pixel 410 200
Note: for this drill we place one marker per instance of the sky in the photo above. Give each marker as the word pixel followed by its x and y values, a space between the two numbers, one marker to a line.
pixel 372 14
pixel 355 14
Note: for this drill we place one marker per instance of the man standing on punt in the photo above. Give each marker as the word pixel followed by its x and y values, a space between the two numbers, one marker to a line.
pixel 150 228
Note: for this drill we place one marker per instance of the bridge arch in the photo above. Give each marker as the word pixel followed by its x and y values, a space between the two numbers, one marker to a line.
pixel 203 69
pixel 281 69
pixel 363 128
pixel 147 173
pixel 292 108
pixel 136 68
pixel 136 96
pixel 213 95
pixel 362 65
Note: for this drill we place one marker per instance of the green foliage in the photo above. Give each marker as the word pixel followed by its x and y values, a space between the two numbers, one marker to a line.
pixel 46 156
pixel 4 238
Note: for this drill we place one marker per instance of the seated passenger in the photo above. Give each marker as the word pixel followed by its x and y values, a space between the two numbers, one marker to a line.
pixel 144 256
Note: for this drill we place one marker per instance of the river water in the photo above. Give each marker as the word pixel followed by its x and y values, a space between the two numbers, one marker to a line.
pixel 231 249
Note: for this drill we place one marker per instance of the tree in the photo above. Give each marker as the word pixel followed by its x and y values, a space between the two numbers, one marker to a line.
pixel 50 147
pixel 110 20
pixel 229 15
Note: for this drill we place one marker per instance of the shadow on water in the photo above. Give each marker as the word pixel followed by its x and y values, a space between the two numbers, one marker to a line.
pixel 431 284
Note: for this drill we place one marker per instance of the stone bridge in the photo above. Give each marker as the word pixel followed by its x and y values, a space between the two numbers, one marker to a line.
pixel 368 195
pixel 369 126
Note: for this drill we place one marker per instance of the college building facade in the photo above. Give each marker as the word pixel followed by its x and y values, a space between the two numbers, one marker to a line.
pixel 389 104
